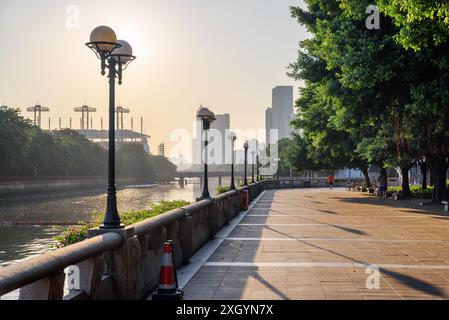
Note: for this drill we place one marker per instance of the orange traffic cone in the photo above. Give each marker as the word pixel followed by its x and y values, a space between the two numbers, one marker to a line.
pixel 168 282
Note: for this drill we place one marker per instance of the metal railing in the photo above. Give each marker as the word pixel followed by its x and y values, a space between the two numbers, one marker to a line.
pixel 30 270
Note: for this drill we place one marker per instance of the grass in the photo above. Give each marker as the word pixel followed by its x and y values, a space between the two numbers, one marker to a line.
pixel 74 234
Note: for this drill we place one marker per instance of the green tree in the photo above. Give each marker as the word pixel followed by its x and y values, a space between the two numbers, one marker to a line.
pixel 163 168
pixel 419 28
pixel 330 114
pixel 14 140
pixel 133 162
pixel 81 157
pixel 364 83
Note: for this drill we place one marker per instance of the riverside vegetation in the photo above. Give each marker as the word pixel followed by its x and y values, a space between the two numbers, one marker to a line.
pixel 27 150
pixel 74 234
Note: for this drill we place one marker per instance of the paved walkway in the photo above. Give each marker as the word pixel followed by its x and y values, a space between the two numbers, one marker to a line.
pixel 317 244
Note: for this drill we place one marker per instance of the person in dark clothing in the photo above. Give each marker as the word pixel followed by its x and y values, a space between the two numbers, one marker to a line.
pixel 330 181
pixel 383 184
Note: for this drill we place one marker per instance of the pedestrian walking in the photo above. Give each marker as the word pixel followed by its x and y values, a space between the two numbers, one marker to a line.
pixel 330 181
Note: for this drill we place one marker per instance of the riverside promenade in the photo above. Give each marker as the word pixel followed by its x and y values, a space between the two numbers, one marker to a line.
pixel 318 243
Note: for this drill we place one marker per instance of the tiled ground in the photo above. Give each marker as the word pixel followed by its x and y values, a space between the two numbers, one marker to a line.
pixel 317 243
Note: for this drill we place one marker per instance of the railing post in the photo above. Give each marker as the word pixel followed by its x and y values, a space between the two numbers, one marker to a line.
pixel 123 263
pixel 50 288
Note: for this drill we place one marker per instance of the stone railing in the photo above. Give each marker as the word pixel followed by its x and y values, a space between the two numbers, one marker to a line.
pixel 124 263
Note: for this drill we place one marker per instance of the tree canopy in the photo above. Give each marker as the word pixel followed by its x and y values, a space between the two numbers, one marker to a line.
pixel 374 96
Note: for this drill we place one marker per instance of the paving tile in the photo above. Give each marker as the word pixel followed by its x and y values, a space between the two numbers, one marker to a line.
pixel 330 231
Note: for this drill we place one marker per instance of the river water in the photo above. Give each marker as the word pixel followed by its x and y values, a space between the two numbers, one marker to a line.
pixel 21 241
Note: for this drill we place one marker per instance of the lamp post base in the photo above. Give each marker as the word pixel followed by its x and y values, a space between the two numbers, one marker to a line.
pixel 105 226
pixel 111 218
pixel 204 198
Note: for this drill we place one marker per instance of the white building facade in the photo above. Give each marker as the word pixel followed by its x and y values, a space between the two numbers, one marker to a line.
pixel 279 116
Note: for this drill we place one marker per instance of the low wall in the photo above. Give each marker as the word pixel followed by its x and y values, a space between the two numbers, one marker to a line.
pixel 124 263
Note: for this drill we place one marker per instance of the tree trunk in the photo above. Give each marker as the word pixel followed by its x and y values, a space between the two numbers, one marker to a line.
pixel 366 175
pixel 431 178
pixel 438 171
pixel 423 166
pixel 406 193
pixel 385 173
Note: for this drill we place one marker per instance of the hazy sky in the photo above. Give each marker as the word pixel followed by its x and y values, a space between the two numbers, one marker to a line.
pixel 225 54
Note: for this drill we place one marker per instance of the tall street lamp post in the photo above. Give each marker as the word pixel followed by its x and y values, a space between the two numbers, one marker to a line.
pixel 253 153
pixel 207 117
pixel 245 147
pixel 257 161
pixel 233 137
pixel 115 55
pixel 278 163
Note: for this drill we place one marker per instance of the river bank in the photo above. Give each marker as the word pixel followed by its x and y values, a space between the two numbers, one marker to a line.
pixel 31 188
pixel 29 226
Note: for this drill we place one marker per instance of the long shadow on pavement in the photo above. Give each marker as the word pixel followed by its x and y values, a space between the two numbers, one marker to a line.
pixel 405 279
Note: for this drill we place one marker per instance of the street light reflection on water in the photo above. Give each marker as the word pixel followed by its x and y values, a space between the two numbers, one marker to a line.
pixel 21 241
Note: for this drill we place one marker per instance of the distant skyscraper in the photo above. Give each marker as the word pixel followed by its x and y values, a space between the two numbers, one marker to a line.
pixel 268 123
pixel 161 149
pixel 221 125
pixel 279 116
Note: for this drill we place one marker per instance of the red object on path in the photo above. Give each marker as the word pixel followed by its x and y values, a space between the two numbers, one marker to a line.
pixel 244 200
pixel 168 283
pixel 330 180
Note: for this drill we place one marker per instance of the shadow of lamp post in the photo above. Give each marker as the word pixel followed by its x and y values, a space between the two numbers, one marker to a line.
pixel 115 55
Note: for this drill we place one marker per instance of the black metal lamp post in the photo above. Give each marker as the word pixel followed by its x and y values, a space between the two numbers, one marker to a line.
pixel 245 147
pixel 115 56
pixel 257 161
pixel 233 137
pixel 207 117
pixel 278 167
pixel 253 153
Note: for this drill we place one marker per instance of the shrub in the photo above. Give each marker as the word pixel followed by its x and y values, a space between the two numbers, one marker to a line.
pixel 417 191
pixel 74 234
pixel 221 189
